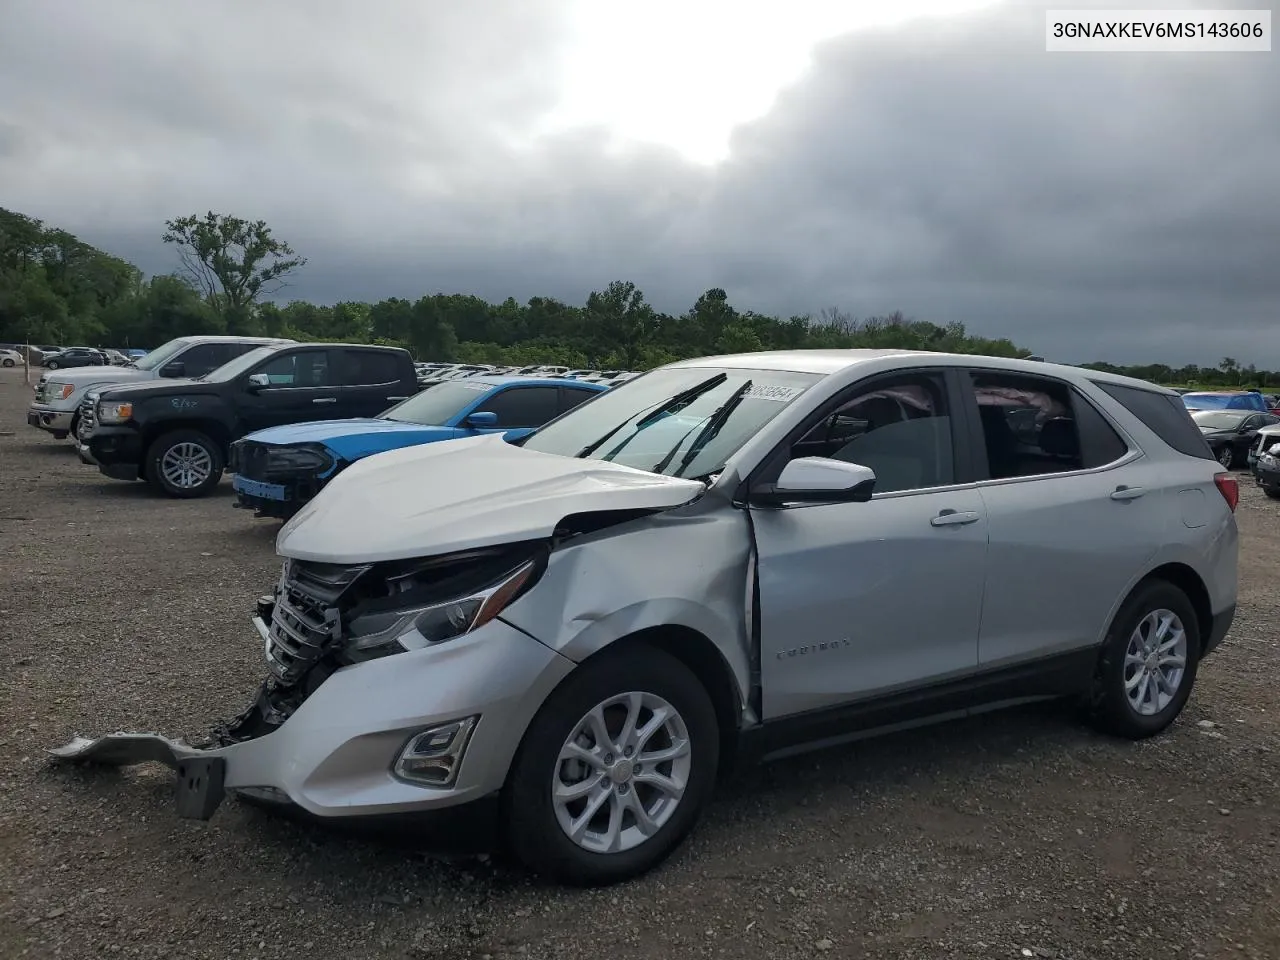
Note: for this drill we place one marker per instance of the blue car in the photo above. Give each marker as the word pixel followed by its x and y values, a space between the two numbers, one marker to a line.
pixel 279 469
pixel 1226 400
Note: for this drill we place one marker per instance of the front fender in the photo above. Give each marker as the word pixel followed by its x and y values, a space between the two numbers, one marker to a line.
pixel 685 568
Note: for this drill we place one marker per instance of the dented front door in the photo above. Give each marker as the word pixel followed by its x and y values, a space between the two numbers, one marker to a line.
pixel 864 598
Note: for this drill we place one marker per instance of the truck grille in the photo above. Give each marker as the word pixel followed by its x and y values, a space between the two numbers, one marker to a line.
pixel 307 618
pixel 87 422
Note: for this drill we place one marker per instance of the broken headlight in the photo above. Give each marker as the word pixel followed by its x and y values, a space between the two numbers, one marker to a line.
pixel 394 631
pixel 298 459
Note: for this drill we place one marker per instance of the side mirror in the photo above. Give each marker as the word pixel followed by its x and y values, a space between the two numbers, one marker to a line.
pixel 482 419
pixel 175 368
pixel 820 480
pixel 257 381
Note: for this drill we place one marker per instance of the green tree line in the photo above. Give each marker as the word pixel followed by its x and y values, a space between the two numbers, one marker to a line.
pixel 54 288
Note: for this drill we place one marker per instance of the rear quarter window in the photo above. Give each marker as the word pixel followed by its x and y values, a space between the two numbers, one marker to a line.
pixel 1164 415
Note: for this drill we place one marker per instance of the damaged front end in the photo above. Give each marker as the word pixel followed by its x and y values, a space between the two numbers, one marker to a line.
pixel 323 618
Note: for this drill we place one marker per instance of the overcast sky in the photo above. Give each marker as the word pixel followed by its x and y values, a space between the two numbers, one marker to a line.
pixel 801 154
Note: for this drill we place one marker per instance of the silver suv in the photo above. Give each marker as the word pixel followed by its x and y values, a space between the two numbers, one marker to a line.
pixel 733 556
pixel 59 393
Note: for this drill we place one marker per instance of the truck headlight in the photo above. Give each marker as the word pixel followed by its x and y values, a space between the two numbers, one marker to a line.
pixel 63 390
pixel 379 634
pixel 114 411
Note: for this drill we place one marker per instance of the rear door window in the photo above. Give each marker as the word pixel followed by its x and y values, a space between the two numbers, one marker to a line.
pixel 522 406
pixel 1032 426
pixel 369 368
pixel 570 397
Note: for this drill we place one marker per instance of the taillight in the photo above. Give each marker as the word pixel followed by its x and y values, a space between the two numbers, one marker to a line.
pixel 1229 487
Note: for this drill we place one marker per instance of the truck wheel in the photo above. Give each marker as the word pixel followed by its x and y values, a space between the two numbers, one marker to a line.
pixel 184 464
pixel 614 769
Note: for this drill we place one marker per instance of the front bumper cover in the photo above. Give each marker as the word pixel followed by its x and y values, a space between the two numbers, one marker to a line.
pixel 333 755
pixel 49 418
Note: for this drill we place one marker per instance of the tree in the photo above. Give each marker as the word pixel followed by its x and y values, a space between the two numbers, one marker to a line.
pixel 231 262
pixel 620 323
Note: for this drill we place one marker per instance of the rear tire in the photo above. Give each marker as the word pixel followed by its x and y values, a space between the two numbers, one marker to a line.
pixel 184 464
pixel 1148 663
pixel 647 792
pixel 52 365
pixel 1272 492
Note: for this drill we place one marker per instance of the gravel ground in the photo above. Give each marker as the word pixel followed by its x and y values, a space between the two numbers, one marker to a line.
pixel 1012 835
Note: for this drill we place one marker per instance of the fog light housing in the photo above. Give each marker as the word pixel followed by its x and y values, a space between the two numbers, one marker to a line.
pixel 432 757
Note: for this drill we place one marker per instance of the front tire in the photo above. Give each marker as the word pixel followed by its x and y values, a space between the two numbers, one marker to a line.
pixel 184 463
pixel 1227 457
pixel 1148 663
pixel 614 770
pixel 8 362
pixel 1272 492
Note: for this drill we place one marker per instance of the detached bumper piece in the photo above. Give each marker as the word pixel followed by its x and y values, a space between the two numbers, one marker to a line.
pixel 199 789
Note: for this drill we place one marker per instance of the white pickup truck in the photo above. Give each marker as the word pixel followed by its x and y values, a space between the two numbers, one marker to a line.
pixel 59 392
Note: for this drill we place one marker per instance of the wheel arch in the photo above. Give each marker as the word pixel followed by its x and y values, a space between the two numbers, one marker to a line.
pixel 213 429
pixel 1190 583
pixel 706 662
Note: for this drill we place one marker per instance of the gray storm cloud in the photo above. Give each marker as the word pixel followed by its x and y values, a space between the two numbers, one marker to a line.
pixel 1088 206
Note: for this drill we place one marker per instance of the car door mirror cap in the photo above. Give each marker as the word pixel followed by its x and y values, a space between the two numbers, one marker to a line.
pixel 174 368
pixel 820 480
pixel 482 419
pixel 258 381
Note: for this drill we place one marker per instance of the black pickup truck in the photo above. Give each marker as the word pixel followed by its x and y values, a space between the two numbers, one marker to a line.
pixel 175 434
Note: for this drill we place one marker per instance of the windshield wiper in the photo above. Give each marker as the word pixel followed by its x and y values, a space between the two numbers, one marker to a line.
pixel 713 427
pixel 666 406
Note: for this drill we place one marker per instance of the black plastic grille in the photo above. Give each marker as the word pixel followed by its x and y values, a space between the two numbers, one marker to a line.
pixel 306 619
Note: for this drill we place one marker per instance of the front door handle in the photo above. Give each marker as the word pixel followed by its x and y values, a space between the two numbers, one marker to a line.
pixel 949 518
pixel 397 398
pixel 1127 493
pixel 325 400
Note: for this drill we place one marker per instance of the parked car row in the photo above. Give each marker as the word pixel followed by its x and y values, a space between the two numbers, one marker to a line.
pixel 439 372
pixel 574 630
pixel 60 358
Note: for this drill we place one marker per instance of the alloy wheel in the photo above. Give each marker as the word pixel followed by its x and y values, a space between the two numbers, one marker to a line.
pixel 621 773
pixel 186 465
pixel 1155 662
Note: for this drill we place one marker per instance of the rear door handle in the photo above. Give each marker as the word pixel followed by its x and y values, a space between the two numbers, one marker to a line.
pixel 1127 493
pixel 949 518
pixel 325 400
pixel 397 398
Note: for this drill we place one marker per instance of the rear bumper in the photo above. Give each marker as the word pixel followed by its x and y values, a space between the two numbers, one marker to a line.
pixel 335 755
pixel 1221 624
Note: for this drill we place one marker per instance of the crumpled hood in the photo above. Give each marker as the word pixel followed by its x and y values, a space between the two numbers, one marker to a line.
pixel 478 491
pixel 354 438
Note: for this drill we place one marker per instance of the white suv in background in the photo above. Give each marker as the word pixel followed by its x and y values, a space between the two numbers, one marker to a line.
pixel 59 392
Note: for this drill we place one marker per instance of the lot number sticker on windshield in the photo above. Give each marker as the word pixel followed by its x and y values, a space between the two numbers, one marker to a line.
pixel 769 391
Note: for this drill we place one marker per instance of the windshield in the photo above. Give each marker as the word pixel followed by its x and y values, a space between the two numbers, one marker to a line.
pixel 437 405
pixel 1218 420
pixel 632 424
pixel 233 368
pixel 160 355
